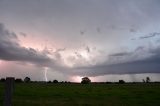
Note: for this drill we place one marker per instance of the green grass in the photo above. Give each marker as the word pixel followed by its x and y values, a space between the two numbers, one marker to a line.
pixel 36 94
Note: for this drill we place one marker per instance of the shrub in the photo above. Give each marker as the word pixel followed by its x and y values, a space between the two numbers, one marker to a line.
pixel 27 79
pixel 55 81
pixel 147 80
pixel 18 80
pixel 121 81
pixel 2 80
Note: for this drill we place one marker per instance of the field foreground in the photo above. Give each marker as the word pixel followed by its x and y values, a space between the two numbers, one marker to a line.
pixel 37 94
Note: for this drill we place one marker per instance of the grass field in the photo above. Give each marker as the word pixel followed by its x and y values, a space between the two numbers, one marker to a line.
pixel 37 94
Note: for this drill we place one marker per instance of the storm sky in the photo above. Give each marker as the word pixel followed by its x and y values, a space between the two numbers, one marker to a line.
pixel 106 40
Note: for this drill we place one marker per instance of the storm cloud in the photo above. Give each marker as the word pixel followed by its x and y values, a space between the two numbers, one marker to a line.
pixel 10 49
pixel 148 64
pixel 150 35
pixel 118 63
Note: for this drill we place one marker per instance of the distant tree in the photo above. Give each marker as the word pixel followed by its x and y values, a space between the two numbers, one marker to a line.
pixel 55 81
pixel 27 79
pixel 143 81
pixel 49 82
pixel 85 80
pixel 147 80
pixel 121 81
pixel 108 82
pixel 2 80
pixel 19 80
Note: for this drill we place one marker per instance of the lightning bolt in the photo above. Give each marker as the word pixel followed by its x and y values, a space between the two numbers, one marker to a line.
pixel 45 73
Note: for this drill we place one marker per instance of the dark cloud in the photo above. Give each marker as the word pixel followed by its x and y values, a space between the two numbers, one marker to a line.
pixel 87 49
pixel 140 48
pixel 150 35
pixel 149 64
pixel 133 30
pixel 6 35
pixel 78 55
pixel 82 32
pixel 98 29
pixel 120 54
pixel 10 49
pixel 135 67
pixel 133 39
pixel 60 50
pixel 23 34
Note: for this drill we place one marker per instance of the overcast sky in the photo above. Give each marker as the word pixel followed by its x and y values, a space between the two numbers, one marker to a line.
pixel 106 40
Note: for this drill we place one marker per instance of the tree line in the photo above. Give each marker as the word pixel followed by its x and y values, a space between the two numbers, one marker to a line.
pixel 85 80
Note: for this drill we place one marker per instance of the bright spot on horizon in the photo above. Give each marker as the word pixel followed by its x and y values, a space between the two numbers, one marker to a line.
pixel 76 78
pixel 79 78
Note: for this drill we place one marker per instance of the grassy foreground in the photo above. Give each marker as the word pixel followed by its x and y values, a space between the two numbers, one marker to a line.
pixel 37 94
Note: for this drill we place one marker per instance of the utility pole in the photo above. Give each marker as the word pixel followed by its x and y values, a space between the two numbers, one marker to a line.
pixel 9 87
